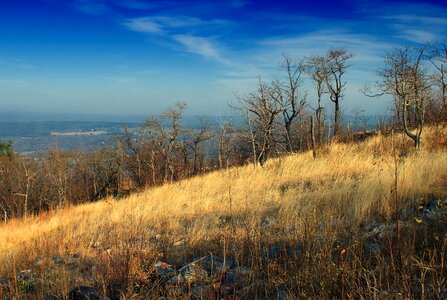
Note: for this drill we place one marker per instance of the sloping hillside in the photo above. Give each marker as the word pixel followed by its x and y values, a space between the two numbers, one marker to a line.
pixel 296 227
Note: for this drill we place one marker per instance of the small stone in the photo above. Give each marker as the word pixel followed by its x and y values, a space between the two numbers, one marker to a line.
pixel 57 260
pixel 163 270
pixel 212 264
pixel 190 273
pixel 27 280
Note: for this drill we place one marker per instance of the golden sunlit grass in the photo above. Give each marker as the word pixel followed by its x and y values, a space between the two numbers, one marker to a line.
pixel 346 185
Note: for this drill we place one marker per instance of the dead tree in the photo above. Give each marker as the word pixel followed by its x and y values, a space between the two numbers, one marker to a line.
pixel 26 194
pixel 196 138
pixel 261 110
pixel 336 64
pixel 315 69
pixel 438 59
pixel 405 77
pixel 166 132
pixel 290 98
pixel 134 143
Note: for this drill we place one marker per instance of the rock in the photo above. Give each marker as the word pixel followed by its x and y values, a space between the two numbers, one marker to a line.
pixel 27 280
pixel 163 270
pixel 85 293
pixel 73 262
pixel 57 260
pixel 191 273
pixel 213 265
pixel 371 226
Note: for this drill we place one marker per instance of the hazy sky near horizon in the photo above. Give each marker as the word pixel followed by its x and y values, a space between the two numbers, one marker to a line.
pixel 139 57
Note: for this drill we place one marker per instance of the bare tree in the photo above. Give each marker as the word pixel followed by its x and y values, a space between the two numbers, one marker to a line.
pixel 261 110
pixel 288 95
pixel 225 135
pixel 26 194
pixel 166 130
pixel 405 77
pixel 134 143
pixel 58 171
pixel 438 58
pixel 336 64
pixel 315 68
pixel 196 138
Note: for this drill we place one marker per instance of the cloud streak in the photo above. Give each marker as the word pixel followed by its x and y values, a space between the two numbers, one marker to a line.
pixel 144 25
pixel 177 31
pixel 201 46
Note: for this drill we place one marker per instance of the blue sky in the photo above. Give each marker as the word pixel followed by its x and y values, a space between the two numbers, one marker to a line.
pixel 139 57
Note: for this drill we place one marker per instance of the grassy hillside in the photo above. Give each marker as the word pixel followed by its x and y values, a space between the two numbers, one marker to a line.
pixel 299 226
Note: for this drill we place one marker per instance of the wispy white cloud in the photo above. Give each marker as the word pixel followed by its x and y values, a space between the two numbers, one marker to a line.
pixel 144 25
pixel 418 36
pixel 415 22
pixel 204 47
pixel 162 23
pixel 428 20
pixel 178 32
pixel 367 49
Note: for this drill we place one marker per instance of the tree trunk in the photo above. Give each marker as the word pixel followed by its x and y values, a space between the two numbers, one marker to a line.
pixel 337 117
pixel 314 153
pixel 415 137
pixel 220 152
pixel 195 166
pixel 153 167
pixel 287 127
pixel 319 127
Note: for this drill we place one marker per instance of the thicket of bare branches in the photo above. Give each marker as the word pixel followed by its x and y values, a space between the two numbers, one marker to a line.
pixel 408 78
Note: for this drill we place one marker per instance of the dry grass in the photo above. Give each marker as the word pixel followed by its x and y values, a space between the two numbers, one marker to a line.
pixel 301 198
